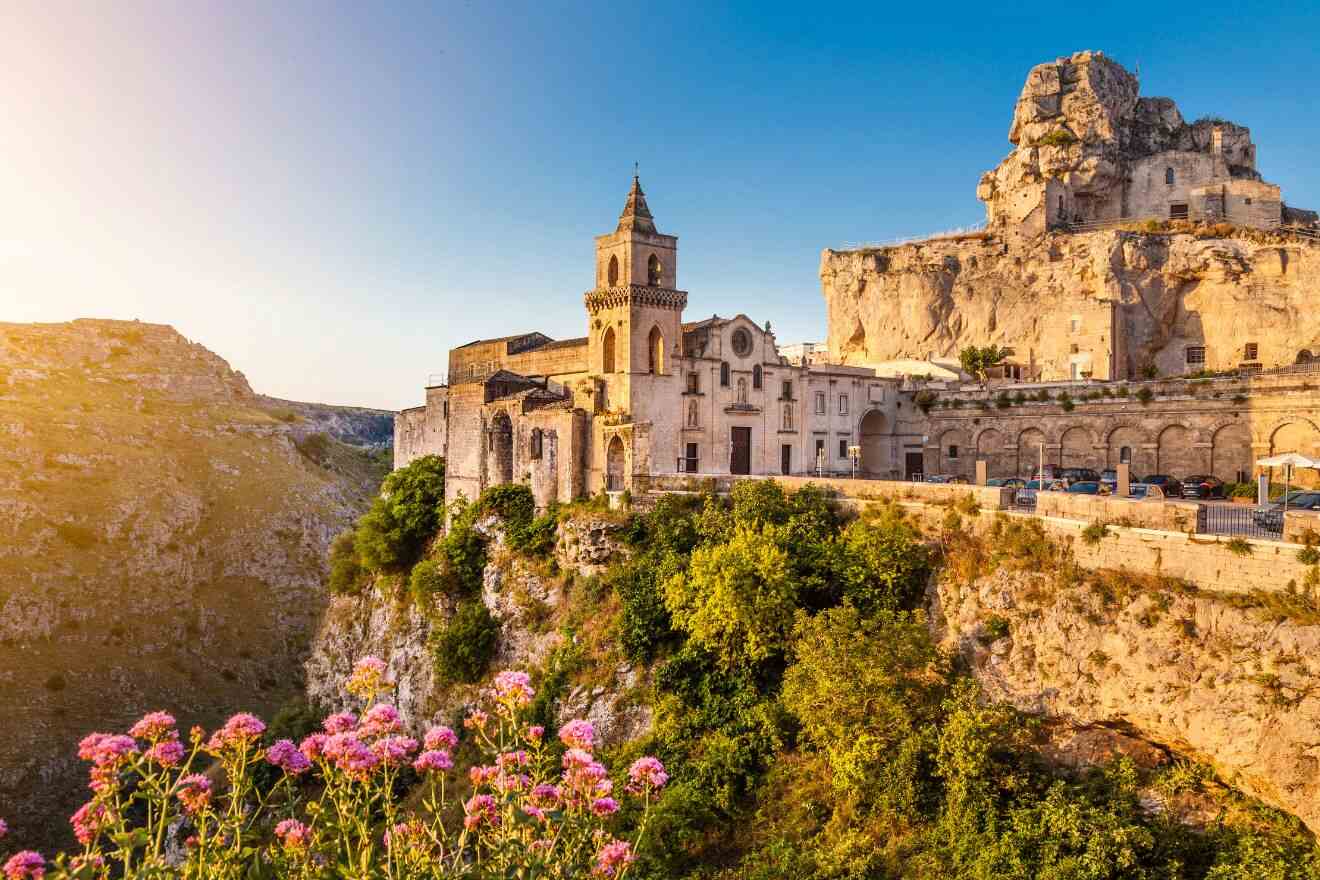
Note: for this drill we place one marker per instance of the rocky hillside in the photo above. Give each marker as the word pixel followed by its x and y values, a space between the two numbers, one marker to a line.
pixel 164 544
pixel 1145 661
pixel 354 425
pixel 1220 288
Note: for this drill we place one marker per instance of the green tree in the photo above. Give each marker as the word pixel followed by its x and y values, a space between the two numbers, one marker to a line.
pixel 976 360
pixel 880 562
pixel 737 599
pixel 390 536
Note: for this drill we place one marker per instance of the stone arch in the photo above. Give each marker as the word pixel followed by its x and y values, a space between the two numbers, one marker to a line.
pixel 989 443
pixel 613 275
pixel 1030 443
pixel 1126 444
pixel 501 449
pixel 654 271
pixel 1230 451
pixel 615 465
pixel 875 453
pixel 1174 453
pixel 1304 356
pixel 1076 448
pixel 655 351
pixel 1298 435
pixel 955 452
pixel 607 351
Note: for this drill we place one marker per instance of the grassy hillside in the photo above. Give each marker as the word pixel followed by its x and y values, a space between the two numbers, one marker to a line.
pixel 162 543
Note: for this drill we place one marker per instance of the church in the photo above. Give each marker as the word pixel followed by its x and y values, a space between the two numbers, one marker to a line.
pixel 645 393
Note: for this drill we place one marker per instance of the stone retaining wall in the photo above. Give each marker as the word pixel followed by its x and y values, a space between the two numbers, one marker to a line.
pixel 1171 516
pixel 986 497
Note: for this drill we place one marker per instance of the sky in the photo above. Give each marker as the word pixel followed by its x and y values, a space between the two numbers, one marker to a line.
pixel 333 196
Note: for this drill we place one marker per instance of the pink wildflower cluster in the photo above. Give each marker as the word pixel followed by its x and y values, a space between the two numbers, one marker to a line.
pixel 89 821
pixel 578 734
pixel 368 678
pixel 293 834
pixel 340 722
pixel 480 811
pixel 513 690
pixel 440 738
pixel 155 726
pixel 613 858
pixel 194 793
pixel 379 720
pixel 239 732
pixel 285 755
pixel 645 775
pixel 24 865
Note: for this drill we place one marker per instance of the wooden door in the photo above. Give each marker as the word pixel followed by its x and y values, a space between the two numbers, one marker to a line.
pixel 740 457
pixel 786 459
pixel 913 464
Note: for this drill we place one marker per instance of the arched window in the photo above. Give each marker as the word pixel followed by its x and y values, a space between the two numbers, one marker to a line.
pixel 655 348
pixel 1168 176
pixel 1060 207
pixel 756 376
pixel 536 443
pixel 724 374
pixel 607 351
pixel 653 271
pixel 614 272
pixel 1304 356
pixel 1125 455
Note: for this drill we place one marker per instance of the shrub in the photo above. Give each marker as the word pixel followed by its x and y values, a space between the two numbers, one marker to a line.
pixel 1308 555
pixel 427 578
pixel 1043 395
pixel 1019 398
pixel 464 647
pixel 1002 400
pixel 1094 533
pixel 994 629
pixel 390 536
pixel 1123 391
pixel 881 563
pixel 1145 395
pixel 1238 547
pixel 924 400
pixel 1059 137
pixel 1066 401
pixel 346 572
pixel 314 447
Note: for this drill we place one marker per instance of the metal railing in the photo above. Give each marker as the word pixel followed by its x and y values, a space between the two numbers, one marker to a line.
pixel 1240 520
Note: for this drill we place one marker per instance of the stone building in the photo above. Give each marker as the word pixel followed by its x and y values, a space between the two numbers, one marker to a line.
pixel 1088 149
pixel 645 392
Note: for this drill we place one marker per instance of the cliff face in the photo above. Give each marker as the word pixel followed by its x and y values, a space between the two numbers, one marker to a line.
pixel 164 545
pixel 1232 687
pixel 1167 290
pixel 535 607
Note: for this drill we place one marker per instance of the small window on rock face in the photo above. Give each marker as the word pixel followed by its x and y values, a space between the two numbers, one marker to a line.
pixel 1196 354
pixel 1125 455
pixel 953 452
pixel 1168 176
pixel 1252 351
pixel 1248 200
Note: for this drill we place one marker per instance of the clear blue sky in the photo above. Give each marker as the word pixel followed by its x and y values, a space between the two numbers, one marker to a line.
pixel 331 198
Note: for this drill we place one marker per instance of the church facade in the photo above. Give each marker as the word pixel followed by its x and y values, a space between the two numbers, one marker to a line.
pixel 645 392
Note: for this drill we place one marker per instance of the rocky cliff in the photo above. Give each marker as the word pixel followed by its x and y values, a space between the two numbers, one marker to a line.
pixel 354 425
pixel 1143 662
pixel 1220 288
pixel 545 621
pixel 164 545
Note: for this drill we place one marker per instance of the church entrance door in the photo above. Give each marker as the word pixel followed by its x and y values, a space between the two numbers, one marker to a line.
pixel 614 465
pixel 740 456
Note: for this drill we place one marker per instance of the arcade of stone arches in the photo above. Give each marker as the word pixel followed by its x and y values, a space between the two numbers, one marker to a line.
pixel 1228 448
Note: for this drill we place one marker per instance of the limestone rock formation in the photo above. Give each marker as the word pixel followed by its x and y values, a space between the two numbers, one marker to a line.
pixel 1230 686
pixel 164 544
pixel 520 595
pixel 1167 290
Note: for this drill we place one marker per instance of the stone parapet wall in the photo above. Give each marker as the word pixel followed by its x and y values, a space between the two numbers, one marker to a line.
pixel 1300 526
pixel 1169 516
pixel 986 497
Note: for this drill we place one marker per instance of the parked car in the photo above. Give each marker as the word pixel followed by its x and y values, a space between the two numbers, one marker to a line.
pixel 1271 515
pixel 1202 486
pixel 1109 477
pixel 1171 485
pixel 1007 482
pixel 1072 475
pixel 1087 487
pixel 1138 491
pixel 1027 494
pixel 946 478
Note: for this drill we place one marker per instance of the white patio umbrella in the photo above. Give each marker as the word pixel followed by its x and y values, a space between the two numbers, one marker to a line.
pixel 1287 461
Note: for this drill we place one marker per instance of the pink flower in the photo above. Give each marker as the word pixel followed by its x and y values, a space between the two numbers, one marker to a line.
pixel 535 733
pixel 645 774
pixel 395 750
pixel 340 722
pixel 478 811
pixel 312 745
pixel 107 749
pixel 476 720
pixel 535 812
pixel 605 806
pixel 285 755
pixel 404 833
pixel 613 858
pixel 350 754
pixel 166 753
pixel 368 678
pixel 154 726
pixel 479 774
pixel 546 796
pixel 440 738
pixel 4 828
pixel 578 734
pixel 239 731
pixel 433 761
pixel 507 783
pixel 25 864
pixel 77 863
pixel 194 793
pixel 379 720
pixel 510 760
pixel 514 688
pixel 578 758
pixel 89 821
pixel 293 834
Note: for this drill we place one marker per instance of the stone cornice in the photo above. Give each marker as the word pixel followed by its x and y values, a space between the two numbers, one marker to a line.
pixel 634 294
